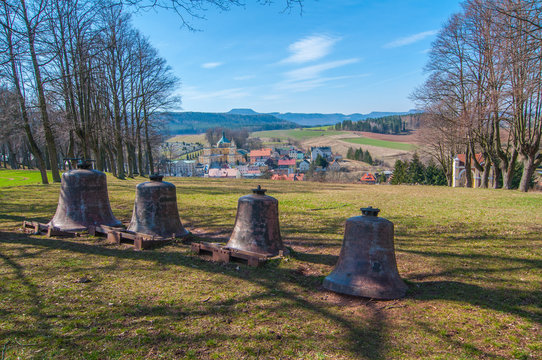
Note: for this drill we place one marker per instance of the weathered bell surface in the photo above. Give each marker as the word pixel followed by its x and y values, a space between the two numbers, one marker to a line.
pixel 256 226
pixel 155 209
pixel 367 265
pixel 83 200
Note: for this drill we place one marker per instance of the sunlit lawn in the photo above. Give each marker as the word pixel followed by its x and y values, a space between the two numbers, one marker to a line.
pixel 472 259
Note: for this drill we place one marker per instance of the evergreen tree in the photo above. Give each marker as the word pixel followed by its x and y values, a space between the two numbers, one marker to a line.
pixel 367 157
pixel 415 170
pixel 350 153
pixel 320 161
pixel 399 173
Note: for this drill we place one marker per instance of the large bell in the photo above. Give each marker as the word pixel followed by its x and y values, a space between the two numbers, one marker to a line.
pixel 155 209
pixel 366 265
pixel 83 200
pixel 257 224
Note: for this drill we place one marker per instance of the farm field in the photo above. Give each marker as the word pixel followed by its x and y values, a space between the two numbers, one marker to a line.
pixel 296 134
pixel 472 259
pixel 381 143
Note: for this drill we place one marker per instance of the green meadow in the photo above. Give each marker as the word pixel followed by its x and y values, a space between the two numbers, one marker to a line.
pixel 297 134
pixel 381 143
pixel 472 259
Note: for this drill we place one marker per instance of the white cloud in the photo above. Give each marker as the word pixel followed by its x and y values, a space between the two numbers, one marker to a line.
pixel 211 65
pixel 410 39
pixel 311 77
pixel 314 71
pixel 309 84
pixel 310 48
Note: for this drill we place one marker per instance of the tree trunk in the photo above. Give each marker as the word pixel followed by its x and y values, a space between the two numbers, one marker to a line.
pixel 528 171
pixel 49 137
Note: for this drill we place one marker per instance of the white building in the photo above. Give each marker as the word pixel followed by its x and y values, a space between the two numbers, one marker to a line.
pixel 324 151
pixel 184 168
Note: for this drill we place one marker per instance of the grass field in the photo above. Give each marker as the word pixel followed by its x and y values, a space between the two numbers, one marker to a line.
pixel 21 177
pixel 472 259
pixel 381 143
pixel 297 134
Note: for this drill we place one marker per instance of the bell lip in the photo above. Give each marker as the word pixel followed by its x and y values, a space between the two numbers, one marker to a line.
pixel 396 293
pixel 182 234
pixel 118 224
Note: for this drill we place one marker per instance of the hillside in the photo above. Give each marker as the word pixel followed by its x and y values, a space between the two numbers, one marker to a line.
pixel 317 119
pixel 198 122
pixel 473 272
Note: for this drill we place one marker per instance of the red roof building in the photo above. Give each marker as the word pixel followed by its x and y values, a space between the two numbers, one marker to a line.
pixel 368 179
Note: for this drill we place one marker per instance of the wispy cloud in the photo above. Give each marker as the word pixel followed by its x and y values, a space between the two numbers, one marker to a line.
pixel 314 71
pixel 211 65
pixel 311 77
pixel 310 48
pixel 410 39
pixel 193 93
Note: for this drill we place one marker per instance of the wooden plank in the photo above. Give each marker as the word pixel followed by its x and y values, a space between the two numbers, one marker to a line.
pixel 224 254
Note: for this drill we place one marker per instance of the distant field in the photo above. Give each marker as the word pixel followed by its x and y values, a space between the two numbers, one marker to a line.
pixel 381 143
pixel 21 177
pixel 297 134
pixel 195 138
pixel 471 258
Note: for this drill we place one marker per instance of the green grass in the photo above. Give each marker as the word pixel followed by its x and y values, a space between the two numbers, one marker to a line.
pixel 297 134
pixel 381 143
pixel 472 260
pixel 21 177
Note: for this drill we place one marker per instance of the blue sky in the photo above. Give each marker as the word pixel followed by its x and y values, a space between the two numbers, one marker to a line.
pixel 337 56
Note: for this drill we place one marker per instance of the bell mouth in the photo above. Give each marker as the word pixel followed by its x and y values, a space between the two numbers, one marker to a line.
pixel 259 190
pixel 156 177
pixel 370 211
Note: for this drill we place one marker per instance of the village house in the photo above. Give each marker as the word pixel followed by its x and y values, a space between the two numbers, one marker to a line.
pixel 290 177
pixel 303 166
pixel 224 173
pixel 286 166
pixel 334 166
pixel 323 151
pixel 249 171
pixel 184 168
pixel 459 178
pixel 368 179
pixel 260 156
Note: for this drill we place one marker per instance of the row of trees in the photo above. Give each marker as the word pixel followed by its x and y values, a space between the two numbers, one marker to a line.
pixel 484 90
pixel 359 155
pixel 81 82
pixel 415 172
pixel 393 124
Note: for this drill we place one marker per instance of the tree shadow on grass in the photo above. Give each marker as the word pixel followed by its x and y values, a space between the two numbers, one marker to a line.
pixel 365 340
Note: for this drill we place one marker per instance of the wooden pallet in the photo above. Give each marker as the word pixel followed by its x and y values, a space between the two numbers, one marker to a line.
pixel 114 235
pixel 118 236
pixel 36 228
pixel 221 253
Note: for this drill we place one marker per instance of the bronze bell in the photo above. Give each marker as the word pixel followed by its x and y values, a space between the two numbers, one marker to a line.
pixel 366 265
pixel 83 200
pixel 155 209
pixel 256 226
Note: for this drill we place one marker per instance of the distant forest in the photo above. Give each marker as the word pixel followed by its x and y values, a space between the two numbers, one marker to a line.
pixel 198 122
pixel 393 124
